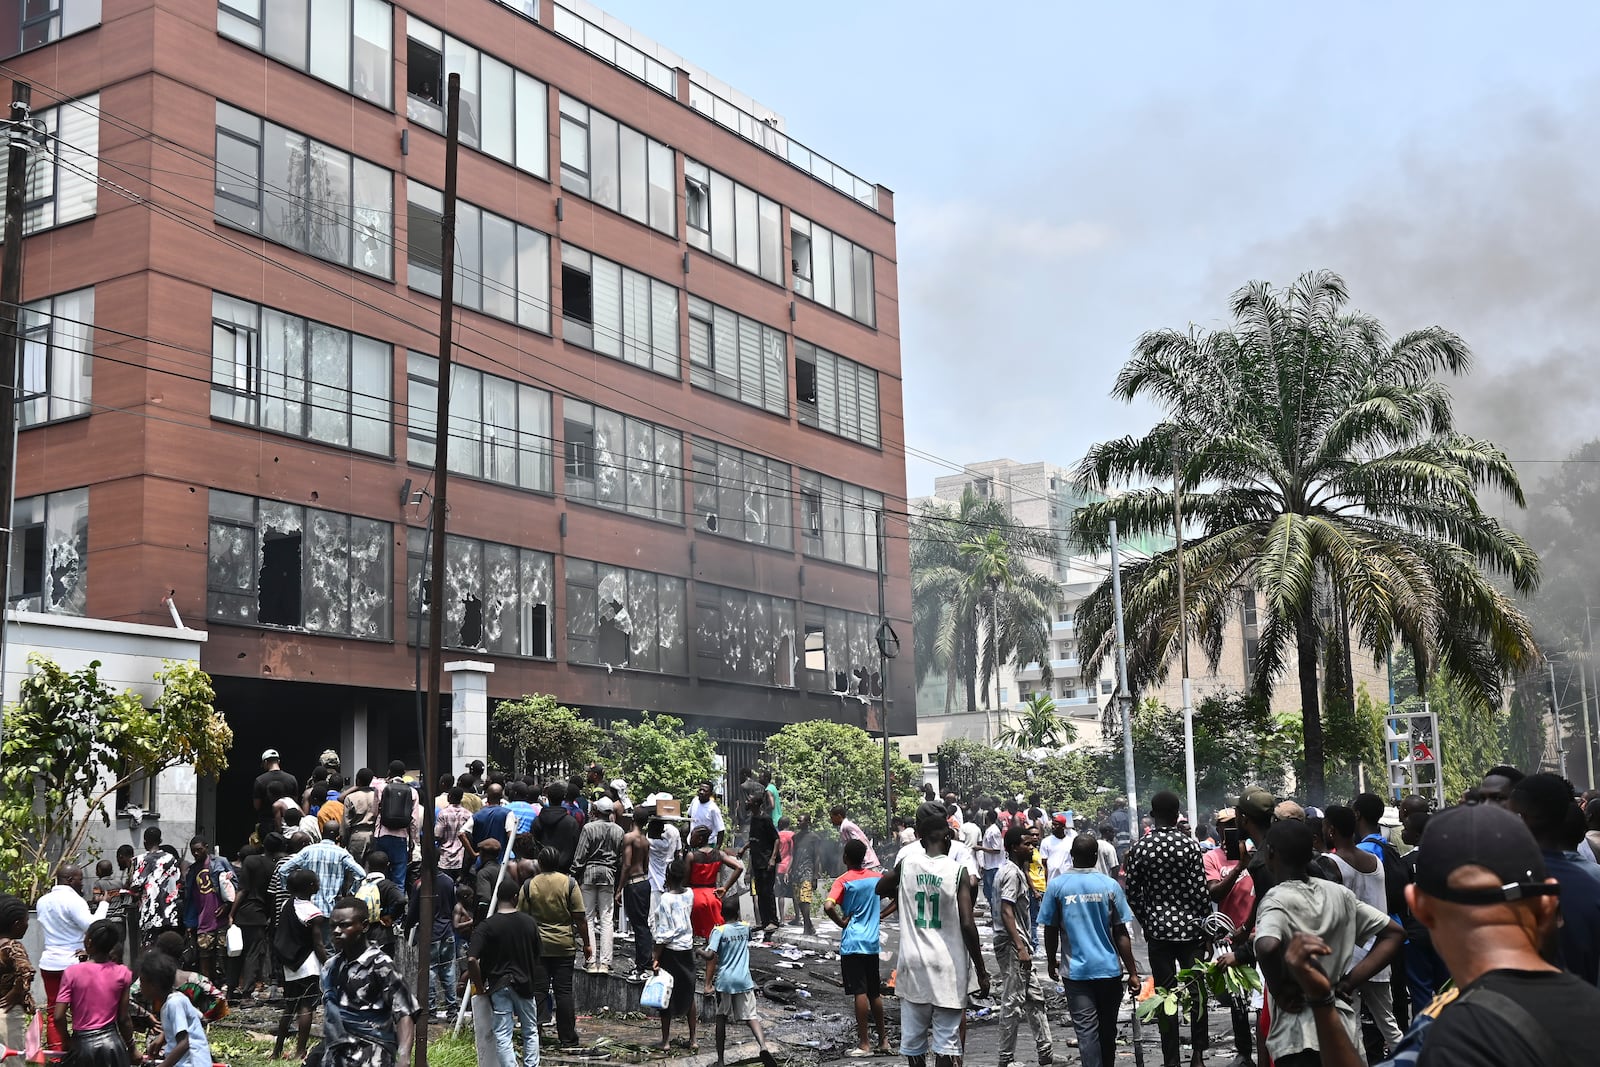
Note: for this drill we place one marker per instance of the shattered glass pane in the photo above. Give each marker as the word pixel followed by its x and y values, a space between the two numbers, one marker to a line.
pixel 502 595
pixel 838 637
pixel 643 653
pixel 370 614
pixel 609 453
pixel 327 602
pixel 671 622
pixel 669 476
pixel 534 623
pixel 730 493
pixel 784 641
pixel 231 558
pixel 330 385
pixel 641 484
pixel 66 574
pixel 735 641
pixel 463 593
pixel 758 623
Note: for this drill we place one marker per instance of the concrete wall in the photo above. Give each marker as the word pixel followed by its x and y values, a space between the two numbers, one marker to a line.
pixel 130 654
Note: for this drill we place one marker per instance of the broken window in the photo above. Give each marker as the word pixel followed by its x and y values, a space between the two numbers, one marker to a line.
pixel 740 494
pixel 496 597
pixel 622 463
pixel 744 637
pixel 816 647
pixel 619 312
pixel 299 377
pixel 50 553
pixel 273 563
pixel 618 617
pixel 839 521
pixel 836 394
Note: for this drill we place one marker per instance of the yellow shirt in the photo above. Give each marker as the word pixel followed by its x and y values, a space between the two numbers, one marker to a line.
pixel 1036 875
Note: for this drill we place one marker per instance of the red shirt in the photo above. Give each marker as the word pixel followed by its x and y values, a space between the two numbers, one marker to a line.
pixel 1236 905
pixel 785 850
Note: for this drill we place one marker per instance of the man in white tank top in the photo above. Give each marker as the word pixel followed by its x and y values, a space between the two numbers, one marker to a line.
pixel 1362 874
pixel 938 942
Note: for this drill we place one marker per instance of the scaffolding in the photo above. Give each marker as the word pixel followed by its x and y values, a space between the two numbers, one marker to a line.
pixel 1411 742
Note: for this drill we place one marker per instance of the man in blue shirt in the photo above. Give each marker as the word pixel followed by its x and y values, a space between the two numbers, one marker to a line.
pixel 853 905
pixel 1546 804
pixel 1086 914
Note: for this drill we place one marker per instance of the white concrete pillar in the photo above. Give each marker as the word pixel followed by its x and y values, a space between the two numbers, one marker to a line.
pixel 469 712
pixel 355 743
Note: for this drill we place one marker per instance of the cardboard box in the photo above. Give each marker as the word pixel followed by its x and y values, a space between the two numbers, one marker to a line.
pixel 669 809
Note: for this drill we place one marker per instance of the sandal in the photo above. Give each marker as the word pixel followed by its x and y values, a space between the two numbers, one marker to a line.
pixel 859 1053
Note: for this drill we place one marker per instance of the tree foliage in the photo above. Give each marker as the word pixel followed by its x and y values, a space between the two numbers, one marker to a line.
pixel 1319 463
pixel 1237 743
pixel 821 763
pixel 1038 725
pixel 656 755
pixel 972 768
pixel 545 735
pixel 975 601
pixel 1071 781
pixel 70 743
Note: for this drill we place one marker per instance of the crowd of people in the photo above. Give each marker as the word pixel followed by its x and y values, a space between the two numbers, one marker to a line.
pixel 1464 936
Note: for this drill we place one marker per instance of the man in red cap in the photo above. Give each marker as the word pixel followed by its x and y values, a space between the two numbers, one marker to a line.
pixel 1056 849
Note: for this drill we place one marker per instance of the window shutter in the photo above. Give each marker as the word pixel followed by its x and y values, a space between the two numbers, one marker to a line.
pixel 78 126
pixel 607 279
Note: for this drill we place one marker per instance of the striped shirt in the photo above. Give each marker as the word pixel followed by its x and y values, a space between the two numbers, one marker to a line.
pixel 332 865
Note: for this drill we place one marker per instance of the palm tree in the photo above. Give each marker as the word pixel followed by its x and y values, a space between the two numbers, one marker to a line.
pixel 1319 464
pixel 976 604
pixel 1039 726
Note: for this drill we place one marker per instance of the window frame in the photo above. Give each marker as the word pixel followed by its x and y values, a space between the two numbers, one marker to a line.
pixel 624 460
pixel 231 15
pixel 776 487
pixel 825 292
pixel 483 438
pixel 46 308
pixel 813 412
pixel 579 177
pixel 418 581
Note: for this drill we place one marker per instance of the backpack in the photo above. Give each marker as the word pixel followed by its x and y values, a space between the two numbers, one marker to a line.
pixel 394 805
pixel 372 896
pixel 1396 875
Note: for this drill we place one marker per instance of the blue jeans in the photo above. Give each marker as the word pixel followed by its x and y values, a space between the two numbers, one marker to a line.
pixel 509 1008
pixel 988 886
pixel 398 849
pixel 442 968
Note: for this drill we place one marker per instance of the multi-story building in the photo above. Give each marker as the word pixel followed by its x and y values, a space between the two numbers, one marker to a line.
pixel 676 406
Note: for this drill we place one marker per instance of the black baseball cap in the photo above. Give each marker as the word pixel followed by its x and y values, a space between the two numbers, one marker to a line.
pixel 1481 835
pixel 930 811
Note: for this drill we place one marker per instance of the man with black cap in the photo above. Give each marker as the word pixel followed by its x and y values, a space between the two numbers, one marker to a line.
pixel 1483 892
pixel 1544 802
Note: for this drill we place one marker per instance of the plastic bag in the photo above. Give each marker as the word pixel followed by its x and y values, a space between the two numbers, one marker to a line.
pixel 235 940
pixel 657 992
pixel 33 1042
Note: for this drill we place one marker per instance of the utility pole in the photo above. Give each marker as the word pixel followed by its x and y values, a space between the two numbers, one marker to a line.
pixel 885 654
pixel 441 469
pixel 1555 713
pixel 1588 735
pixel 1124 691
pixel 1183 647
pixel 21 134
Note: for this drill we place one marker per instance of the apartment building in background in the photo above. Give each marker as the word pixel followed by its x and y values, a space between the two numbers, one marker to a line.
pixel 676 408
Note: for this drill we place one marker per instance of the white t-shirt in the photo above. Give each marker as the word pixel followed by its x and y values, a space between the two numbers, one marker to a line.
pixel 971 834
pixel 1056 852
pixel 662 849
pixel 1107 862
pixel 993 856
pixel 933 961
pixel 705 814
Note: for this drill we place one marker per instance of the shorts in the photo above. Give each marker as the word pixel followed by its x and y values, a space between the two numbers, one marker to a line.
pixel 921 1022
pixel 738 1007
pixel 804 892
pixel 301 994
pixel 860 973
pixel 211 941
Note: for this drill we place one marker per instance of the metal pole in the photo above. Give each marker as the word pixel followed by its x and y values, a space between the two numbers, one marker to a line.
pixel 1588 735
pixel 1124 691
pixel 1183 648
pixel 1555 713
pixel 883 671
pixel 11 337
pixel 441 468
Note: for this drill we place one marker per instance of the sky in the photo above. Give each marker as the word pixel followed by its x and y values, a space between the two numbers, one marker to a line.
pixel 1069 175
